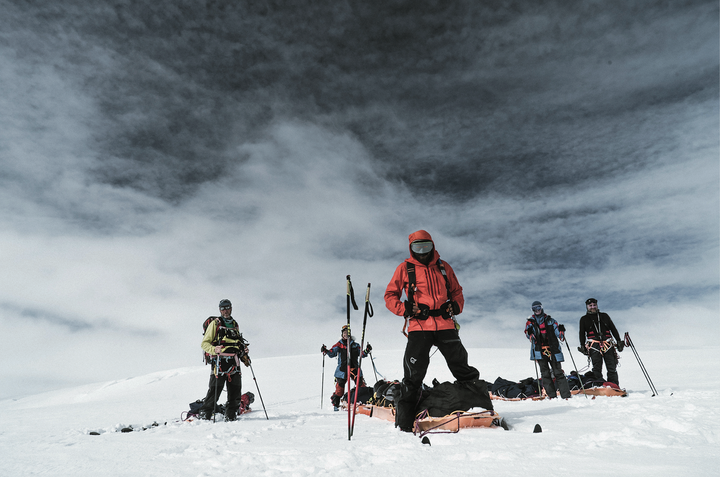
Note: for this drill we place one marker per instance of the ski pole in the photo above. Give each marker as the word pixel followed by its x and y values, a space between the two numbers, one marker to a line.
pixel 217 373
pixel 258 390
pixel 537 377
pixel 322 382
pixel 576 369
pixel 372 360
pixel 368 312
pixel 350 298
pixel 630 343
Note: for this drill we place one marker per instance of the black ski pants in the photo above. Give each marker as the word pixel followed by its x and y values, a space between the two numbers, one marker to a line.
pixel 215 388
pixel 416 362
pixel 609 357
pixel 548 369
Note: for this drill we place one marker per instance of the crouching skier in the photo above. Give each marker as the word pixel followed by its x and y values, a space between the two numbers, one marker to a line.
pixel 545 336
pixel 339 349
pixel 227 348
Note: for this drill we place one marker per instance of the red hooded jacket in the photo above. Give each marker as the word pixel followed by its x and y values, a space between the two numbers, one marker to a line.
pixel 431 289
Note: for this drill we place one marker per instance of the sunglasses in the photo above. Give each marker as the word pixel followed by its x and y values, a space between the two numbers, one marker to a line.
pixel 226 307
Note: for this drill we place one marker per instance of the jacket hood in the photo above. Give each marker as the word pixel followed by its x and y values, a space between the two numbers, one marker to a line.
pixel 422 235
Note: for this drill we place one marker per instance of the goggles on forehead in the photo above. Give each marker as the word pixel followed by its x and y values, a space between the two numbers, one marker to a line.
pixel 421 247
pixel 591 301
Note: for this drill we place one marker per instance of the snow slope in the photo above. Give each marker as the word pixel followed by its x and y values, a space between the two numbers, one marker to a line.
pixel 674 433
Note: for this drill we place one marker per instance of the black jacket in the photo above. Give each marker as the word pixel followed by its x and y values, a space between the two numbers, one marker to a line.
pixel 597 326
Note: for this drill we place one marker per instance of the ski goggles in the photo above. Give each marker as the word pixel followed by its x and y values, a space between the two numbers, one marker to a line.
pixel 421 247
pixel 537 308
pixel 226 307
pixel 590 301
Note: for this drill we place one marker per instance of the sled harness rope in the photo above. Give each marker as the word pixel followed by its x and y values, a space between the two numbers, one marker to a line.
pixel 452 417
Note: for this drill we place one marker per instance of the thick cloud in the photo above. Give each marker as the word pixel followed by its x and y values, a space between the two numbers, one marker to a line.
pixel 156 157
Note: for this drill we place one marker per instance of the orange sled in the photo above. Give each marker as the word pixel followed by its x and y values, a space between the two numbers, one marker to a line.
pixel 386 413
pixel 593 391
pixel 602 391
pixel 425 424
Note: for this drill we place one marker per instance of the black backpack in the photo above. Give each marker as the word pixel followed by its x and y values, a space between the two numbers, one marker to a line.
pixel 445 398
pixel 206 356
pixel 384 393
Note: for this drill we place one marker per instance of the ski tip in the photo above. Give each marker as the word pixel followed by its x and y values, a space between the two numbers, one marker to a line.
pixel 425 440
pixel 501 422
pixel 537 429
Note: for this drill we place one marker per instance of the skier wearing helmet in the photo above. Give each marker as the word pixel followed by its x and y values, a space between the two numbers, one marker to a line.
pixel 339 349
pixel 545 336
pixel 226 347
pixel 434 298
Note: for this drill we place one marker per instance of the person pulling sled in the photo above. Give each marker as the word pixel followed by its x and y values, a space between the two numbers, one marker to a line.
pixel 545 336
pixel 339 349
pixel 434 299
pixel 597 331
pixel 224 349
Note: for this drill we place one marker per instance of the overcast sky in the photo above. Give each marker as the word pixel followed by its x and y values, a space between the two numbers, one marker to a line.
pixel 158 156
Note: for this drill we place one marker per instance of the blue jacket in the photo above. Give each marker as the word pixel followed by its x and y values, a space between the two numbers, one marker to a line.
pixel 339 349
pixel 533 329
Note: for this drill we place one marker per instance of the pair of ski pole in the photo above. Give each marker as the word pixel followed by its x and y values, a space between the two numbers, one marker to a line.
pixel 628 342
pixel 368 312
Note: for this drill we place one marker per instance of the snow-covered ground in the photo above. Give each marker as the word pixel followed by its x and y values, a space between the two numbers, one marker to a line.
pixel 674 433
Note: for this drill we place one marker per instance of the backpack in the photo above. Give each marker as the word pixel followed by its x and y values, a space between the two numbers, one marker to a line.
pixel 443 399
pixel 207 357
pixel 364 395
pixel 513 390
pixel 384 393
pixel 194 411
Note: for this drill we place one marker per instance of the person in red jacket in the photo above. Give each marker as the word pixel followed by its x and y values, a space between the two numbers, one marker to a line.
pixel 434 298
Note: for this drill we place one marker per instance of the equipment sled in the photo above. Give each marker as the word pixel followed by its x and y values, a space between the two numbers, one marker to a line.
pixel 371 410
pixel 425 424
pixel 607 389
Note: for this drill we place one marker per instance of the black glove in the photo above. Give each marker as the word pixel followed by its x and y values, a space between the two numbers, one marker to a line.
pixel 561 328
pixel 324 349
pixel 368 348
pixel 455 309
pixel 530 331
pixel 583 350
pixel 408 309
pixel 620 346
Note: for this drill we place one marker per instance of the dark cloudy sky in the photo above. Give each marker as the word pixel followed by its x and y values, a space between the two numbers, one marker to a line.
pixel 157 156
